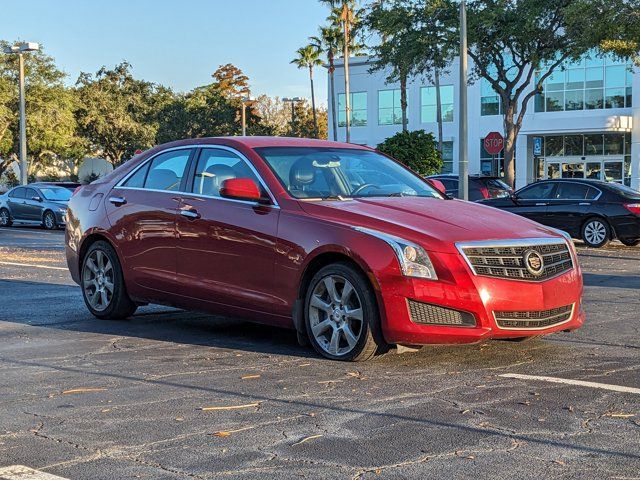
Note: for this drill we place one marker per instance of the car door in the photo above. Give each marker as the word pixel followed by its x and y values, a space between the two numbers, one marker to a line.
pixel 142 210
pixel 16 203
pixel 226 248
pixel 532 201
pixel 32 208
pixel 570 206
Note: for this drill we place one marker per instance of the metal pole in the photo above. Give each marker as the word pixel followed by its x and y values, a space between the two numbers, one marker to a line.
pixel 244 119
pixel 347 99
pixel 293 113
pixel 463 165
pixel 24 176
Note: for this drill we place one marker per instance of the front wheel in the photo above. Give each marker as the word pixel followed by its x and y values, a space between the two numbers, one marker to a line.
pixel 630 242
pixel 103 287
pixel 596 232
pixel 5 218
pixel 341 314
pixel 49 221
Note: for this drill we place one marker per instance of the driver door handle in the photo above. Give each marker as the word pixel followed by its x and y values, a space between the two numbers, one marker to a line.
pixel 541 204
pixel 117 200
pixel 190 213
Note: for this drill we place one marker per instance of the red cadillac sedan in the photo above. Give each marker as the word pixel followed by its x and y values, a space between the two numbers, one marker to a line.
pixel 337 241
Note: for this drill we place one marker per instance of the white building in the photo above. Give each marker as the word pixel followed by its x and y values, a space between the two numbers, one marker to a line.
pixel 581 125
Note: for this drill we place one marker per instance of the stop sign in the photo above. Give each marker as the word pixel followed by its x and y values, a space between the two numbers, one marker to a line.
pixel 493 143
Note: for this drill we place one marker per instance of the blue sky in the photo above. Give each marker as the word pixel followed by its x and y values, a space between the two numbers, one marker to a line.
pixel 178 43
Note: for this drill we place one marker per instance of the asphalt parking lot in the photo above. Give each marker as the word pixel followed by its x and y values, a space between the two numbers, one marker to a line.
pixel 174 394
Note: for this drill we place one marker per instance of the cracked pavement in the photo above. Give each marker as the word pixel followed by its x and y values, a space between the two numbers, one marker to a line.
pixel 89 399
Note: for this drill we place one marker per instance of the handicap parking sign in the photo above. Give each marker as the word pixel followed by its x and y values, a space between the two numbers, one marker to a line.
pixel 537 145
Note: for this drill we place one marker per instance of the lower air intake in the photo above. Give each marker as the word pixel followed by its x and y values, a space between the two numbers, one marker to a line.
pixel 428 314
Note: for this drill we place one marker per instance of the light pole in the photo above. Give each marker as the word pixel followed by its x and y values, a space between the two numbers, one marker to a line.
pixel 293 102
pixel 245 101
pixel 463 162
pixel 347 18
pixel 19 50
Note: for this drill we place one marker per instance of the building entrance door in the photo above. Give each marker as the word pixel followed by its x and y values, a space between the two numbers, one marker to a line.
pixel 610 169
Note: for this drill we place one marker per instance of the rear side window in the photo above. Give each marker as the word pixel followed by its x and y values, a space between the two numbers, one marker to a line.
pixel 449 185
pixel 495 183
pixel 165 172
pixel 18 193
pixel 538 191
pixel 572 191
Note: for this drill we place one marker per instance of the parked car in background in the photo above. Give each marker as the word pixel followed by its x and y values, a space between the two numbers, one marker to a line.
pixel 35 204
pixel 68 185
pixel 480 187
pixel 591 210
pixel 345 245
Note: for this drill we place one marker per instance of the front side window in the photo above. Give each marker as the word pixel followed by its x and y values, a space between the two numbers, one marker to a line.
pixel 315 172
pixel 389 107
pixel 31 193
pixel 428 104
pixel 358 107
pixel 214 167
pixel 165 172
pixel 538 191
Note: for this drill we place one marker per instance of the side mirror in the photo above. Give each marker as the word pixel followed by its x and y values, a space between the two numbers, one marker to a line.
pixel 438 185
pixel 241 189
pixel 37 198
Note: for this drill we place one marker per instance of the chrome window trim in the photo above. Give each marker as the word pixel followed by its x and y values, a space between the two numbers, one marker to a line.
pixel 573 310
pixel 274 202
pixel 519 242
pixel 560 199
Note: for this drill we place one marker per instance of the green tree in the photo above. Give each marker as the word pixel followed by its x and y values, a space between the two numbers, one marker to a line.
pixel 517 45
pixel 309 57
pixel 416 149
pixel 50 106
pixel 395 23
pixel 118 113
pixel 328 41
pixel 302 124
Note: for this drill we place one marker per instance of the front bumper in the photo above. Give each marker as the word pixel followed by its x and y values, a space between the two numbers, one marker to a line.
pixel 480 296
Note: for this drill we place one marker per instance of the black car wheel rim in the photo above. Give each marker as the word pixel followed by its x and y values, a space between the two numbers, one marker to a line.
pixel 595 232
pixel 98 280
pixel 4 218
pixel 335 315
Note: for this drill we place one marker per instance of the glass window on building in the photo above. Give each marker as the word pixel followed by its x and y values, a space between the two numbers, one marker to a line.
pixel 428 104
pixel 358 104
pixel 447 157
pixel 389 108
pixel 594 82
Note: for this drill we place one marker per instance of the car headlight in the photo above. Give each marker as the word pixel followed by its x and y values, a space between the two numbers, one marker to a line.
pixel 414 260
pixel 62 210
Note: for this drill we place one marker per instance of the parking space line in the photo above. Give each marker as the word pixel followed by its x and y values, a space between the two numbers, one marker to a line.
pixel 13 264
pixel 20 472
pixel 568 381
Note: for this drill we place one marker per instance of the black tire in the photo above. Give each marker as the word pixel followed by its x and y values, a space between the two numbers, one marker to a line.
pixel 596 232
pixel 369 338
pixel 5 218
pixel 630 242
pixel 119 305
pixel 49 221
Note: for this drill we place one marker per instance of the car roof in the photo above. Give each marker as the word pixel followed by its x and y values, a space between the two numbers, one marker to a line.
pixel 586 181
pixel 258 142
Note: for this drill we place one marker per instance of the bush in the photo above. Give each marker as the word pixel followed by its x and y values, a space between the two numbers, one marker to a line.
pixel 417 150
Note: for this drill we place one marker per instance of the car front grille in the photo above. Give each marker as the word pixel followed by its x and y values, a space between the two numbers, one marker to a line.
pixel 536 319
pixel 507 260
pixel 428 314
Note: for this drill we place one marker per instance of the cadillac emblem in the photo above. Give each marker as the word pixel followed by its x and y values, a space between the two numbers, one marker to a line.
pixel 533 262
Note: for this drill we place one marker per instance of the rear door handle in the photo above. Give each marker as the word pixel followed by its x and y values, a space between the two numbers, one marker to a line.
pixel 117 200
pixel 584 203
pixel 542 204
pixel 191 214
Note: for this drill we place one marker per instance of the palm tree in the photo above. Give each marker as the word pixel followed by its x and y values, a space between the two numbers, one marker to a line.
pixel 309 57
pixel 329 42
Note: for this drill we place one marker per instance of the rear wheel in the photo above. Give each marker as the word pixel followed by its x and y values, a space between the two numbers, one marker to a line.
pixel 5 218
pixel 341 314
pixel 630 242
pixel 596 232
pixel 103 286
pixel 49 220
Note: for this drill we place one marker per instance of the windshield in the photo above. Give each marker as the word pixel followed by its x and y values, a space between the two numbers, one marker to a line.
pixel 56 194
pixel 312 172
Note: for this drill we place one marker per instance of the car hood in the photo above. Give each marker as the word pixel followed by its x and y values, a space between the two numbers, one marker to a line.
pixel 57 203
pixel 436 224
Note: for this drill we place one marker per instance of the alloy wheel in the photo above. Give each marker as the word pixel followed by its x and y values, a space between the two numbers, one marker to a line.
pixel 595 232
pixel 4 218
pixel 335 314
pixel 49 221
pixel 98 280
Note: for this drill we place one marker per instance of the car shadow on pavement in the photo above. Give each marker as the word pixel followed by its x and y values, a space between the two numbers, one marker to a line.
pixel 611 281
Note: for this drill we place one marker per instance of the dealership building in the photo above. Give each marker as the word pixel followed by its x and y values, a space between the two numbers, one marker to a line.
pixel 585 123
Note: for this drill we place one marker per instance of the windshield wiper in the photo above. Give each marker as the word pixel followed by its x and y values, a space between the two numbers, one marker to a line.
pixel 396 194
pixel 334 197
